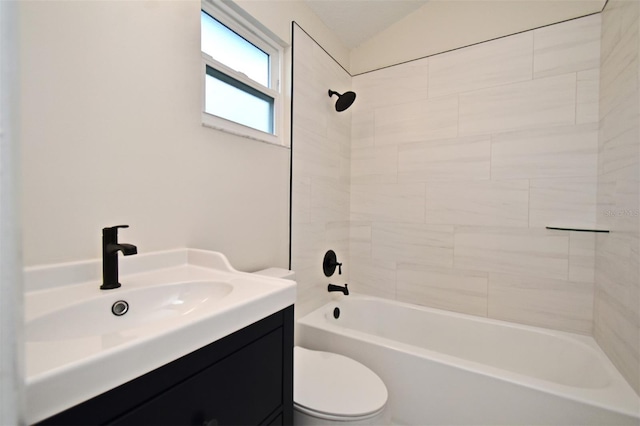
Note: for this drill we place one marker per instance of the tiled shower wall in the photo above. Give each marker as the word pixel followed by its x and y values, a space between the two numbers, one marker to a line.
pixel 617 293
pixel 321 170
pixel 460 160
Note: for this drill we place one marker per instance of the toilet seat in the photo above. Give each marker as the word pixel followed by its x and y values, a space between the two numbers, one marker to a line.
pixel 334 387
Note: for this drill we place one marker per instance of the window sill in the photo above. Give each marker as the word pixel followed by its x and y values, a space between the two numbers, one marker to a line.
pixel 231 127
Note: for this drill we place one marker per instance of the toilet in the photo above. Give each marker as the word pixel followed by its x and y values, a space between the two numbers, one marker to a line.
pixel 332 389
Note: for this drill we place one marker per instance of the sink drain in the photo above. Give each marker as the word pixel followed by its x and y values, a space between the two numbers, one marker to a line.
pixel 120 308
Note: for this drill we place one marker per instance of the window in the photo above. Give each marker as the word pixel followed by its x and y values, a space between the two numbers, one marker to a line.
pixel 241 71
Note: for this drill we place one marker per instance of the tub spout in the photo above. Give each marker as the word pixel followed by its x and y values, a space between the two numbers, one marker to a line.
pixel 344 289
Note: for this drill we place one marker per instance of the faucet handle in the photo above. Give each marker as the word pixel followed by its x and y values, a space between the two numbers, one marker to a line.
pixel 329 264
pixel 110 234
pixel 115 227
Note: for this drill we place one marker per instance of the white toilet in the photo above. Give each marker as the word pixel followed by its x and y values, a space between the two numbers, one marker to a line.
pixel 332 389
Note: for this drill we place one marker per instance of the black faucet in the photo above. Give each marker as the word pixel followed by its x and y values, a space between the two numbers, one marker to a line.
pixel 329 264
pixel 344 289
pixel 110 249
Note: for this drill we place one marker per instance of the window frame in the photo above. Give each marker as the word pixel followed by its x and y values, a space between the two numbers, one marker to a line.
pixel 249 31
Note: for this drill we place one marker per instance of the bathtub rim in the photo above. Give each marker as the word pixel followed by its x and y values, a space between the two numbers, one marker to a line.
pixel 618 397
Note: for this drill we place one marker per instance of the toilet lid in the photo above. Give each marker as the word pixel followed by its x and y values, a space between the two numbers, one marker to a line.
pixel 333 384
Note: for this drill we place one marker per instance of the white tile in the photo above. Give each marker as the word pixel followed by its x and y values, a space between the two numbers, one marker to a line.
pixel 376 164
pixel 618 71
pixel 413 243
pixel 613 257
pixel 622 118
pixel 314 155
pixel 582 261
pixel 329 201
pixel 374 278
pixel 388 202
pixel 393 85
pixel 494 63
pixel 362 127
pixel 527 252
pixel 610 31
pixel 616 331
pixel 307 242
pixel 460 291
pixel 538 103
pixel 570 151
pixel 464 158
pixel 588 96
pixel 569 202
pixel 616 313
pixel 606 204
pixel 417 121
pixel 619 156
pixel 310 294
pixel 478 203
pixel 567 47
pixel 329 73
pixel 542 302
pixel 337 236
pixel 360 240
pixel 308 95
pixel 301 199
pixel 616 316
pixel 619 197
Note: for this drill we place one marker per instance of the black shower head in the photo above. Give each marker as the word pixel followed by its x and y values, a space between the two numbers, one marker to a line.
pixel 344 101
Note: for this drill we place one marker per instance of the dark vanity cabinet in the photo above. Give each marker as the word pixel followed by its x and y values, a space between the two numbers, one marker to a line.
pixel 245 378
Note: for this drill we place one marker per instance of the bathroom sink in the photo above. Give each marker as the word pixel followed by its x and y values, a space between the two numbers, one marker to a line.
pixel 126 309
pixel 178 301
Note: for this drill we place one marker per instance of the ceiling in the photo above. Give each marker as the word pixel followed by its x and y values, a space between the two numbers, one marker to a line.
pixel 356 21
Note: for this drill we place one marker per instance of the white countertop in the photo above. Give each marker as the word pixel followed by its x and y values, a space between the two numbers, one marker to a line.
pixel 75 365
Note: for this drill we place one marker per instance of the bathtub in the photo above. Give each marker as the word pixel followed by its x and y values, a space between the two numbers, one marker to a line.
pixel 447 368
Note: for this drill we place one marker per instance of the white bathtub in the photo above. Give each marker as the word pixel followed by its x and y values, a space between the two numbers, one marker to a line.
pixel 447 368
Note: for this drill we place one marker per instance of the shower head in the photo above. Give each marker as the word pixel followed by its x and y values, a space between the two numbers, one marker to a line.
pixel 344 101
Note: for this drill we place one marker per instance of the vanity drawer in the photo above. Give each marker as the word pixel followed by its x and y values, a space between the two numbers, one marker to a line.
pixel 243 388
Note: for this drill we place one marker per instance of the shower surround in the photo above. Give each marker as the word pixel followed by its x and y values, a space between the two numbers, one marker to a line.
pixel 457 162
pixel 320 170
pixel 617 292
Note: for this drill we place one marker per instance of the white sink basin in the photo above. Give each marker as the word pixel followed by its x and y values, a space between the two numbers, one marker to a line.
pixel 144 306
pixel 178 301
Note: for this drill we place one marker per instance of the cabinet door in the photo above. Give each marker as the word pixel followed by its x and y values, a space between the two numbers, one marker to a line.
pixel 245 388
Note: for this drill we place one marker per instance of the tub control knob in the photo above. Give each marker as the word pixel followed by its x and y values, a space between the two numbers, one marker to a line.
pixel 329 264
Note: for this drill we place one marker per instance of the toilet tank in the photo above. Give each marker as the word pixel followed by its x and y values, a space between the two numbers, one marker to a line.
pixel 278 273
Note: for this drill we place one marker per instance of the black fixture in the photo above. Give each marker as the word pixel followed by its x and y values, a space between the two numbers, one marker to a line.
pixel 577 229
pixel 343 289
pixel 329 264
pixel 344 101
pixel 110 249
pixel 336 313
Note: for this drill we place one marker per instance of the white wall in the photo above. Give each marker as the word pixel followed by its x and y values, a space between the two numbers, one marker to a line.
pixel 111 134
pixel 442 25
pixel 457 169
pixel 617 295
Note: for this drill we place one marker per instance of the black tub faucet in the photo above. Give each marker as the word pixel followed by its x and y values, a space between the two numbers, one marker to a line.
pixel 329 264
pixel 110 249
pixel 344 289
